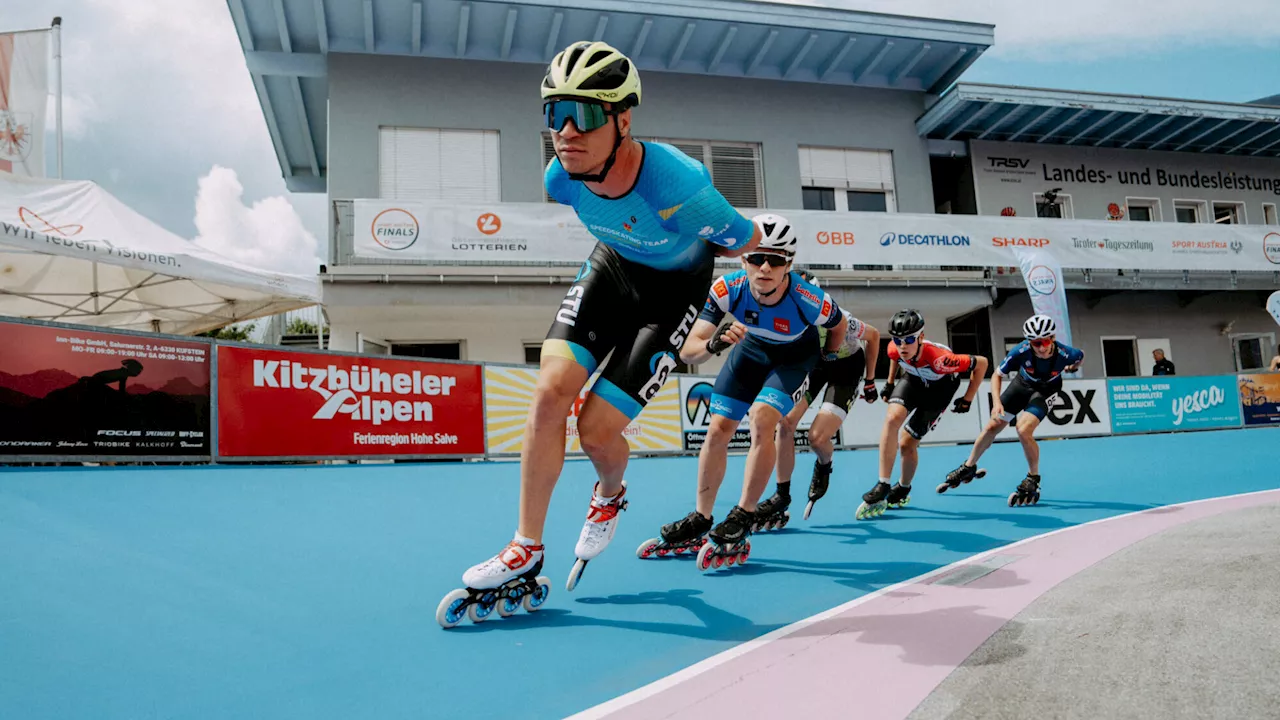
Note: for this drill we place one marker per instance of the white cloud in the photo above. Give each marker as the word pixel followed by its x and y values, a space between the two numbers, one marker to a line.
pixel 1087 29
pixel 78 113
pixel 268 235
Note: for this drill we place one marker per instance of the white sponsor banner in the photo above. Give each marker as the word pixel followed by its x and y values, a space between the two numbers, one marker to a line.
pixel 1080 408
pixel 547 232
pixel 24 91
pixel 863 425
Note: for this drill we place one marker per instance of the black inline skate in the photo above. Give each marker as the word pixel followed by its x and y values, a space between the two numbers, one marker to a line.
pixel 728 542
pixel 960 476
pixel 899 496
pixel 772 513
pixel 874 502
pixel 528 589
pixel 818 485
pixel 684 535
pixel 1028 493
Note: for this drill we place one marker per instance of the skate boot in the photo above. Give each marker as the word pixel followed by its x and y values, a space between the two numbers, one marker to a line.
pixel 1028 492
pixel 727 543
pixel 961 475
pixel 772 513
pixel 597 531
pixel 899 496
pixel 818 485
pixel 684 535
pixel 874 502
pixel 504 582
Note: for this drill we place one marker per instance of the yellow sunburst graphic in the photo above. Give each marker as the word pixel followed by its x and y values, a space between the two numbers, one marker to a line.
pixel 509 395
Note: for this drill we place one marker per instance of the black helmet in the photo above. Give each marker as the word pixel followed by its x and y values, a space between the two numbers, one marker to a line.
pixel 906 322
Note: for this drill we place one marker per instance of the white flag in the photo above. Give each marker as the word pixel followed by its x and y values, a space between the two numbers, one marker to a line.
pixel 24 91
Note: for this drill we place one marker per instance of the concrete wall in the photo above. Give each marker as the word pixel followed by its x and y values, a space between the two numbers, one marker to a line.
pixel 1196 344
pixel 1009 185
pixel 367 91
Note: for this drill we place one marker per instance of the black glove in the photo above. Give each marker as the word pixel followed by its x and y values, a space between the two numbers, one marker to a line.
pixel 886 391
pixel 961 405
pixel 717 343
pixel 869 390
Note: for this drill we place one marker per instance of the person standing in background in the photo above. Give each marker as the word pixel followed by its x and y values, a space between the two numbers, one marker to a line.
pixel 1163 365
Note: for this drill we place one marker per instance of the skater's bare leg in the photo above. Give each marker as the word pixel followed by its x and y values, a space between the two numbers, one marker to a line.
pixel 1027 424
pixel 711 461
pixel 542 458
pixel 762 456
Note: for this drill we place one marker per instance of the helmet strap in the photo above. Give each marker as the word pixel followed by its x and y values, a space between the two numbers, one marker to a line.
pixel 608 164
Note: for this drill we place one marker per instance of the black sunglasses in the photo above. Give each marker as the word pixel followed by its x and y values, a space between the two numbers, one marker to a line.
pixel 759 259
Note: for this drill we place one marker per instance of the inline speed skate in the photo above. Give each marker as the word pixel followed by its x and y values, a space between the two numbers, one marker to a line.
pixel 960 476
pixel 728 542
pixel 772 513
pixel 527 589
pixel 1028 492
pixel 684 535
pixel 874 502
pixel 818 485
pixel 898 497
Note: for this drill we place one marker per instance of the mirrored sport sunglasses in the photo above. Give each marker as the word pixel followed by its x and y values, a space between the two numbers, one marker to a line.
pixel 1042 342
pixel 586 116
pixel 908 340
pixel 775 261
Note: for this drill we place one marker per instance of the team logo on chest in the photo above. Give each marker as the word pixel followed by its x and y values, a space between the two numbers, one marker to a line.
pixel 781 325
pixel 751 317
pixel 628 226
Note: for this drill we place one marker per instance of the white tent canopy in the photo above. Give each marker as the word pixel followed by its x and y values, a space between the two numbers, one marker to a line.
pixel 71 252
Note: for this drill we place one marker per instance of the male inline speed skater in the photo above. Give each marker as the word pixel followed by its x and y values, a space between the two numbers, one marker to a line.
pixel 660 224
pixel 1039 362
pixel 775 345
pixel 932 380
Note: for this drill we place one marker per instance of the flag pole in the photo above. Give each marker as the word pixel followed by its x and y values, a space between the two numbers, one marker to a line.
pixel 57 85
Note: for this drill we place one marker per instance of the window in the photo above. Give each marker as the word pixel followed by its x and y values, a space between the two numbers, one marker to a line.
pixel 533 353
pixel 1059 207
pixel 1118 357
pixel 435 350
pixel 427 164
pixel 1188 211
pixel 1253 350
pixel 735 167
pixel 818 198
pixel 1143 209
pixel 1269 214
pixel 865 176
pixel 1228 213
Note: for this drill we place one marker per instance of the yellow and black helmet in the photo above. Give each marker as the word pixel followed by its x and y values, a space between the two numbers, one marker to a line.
pixel 593 71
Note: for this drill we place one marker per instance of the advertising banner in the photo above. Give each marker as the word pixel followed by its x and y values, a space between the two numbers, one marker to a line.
pixel 509 395
pixel 1260 398
pixel 276 403
pixel 863 425
pixel 548 232
pixel 1080 408
pixel 695 417
pixel 66 391
pixel 1170 403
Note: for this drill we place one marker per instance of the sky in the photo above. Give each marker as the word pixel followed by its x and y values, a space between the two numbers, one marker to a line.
pixel 159 108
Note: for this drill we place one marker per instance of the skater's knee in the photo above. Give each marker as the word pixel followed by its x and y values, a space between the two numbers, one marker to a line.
pixel 721 431
pixel 996 425
pixel 1026 432
pixel 910 445
pixel 763 421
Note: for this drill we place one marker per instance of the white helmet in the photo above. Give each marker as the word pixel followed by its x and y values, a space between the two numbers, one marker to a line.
pixel 779 236
pixel 1039 326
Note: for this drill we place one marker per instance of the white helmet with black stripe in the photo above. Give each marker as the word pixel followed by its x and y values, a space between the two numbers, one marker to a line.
pixel 1039 326
pixel 779 236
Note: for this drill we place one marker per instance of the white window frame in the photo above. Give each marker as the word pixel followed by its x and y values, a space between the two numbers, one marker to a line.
pixel 1064 200
pixel 1269 214
pixel 1201 207
pixel 841 186
pixel 492 192
pixel 1102 353
pixel 1268 349
pixel 1152 203
pixel 1241 218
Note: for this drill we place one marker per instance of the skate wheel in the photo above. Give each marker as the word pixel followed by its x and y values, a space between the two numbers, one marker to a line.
pixel 982 472
pixel 533 601
pixel 717 561
pixel 943 488
pixel 786 518
pixel 730 560
pixel 704 557
pixel 479 612
pixel 508 606
pixel 1035 499
pixel 808 509
pixel 450 611
pixel 575 574
pixel 648 547
pixel 742 558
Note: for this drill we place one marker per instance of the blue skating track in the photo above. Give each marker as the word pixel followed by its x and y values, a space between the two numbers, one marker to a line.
pixel 310 592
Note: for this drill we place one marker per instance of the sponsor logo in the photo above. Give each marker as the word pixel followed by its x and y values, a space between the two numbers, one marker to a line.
pixel 890 238
pixel 826 308
pixel 1271 248
pixel 661 365
pixel 488 223
pixel 1200 247
pixel 782 325
pixel 584 271
pixel 1197 402
pixel 1042 280
pixel 629 226
pixel 1113 245
pixel 1064 411
pixel 1237 247
pixel 568 312
pixel 752 317
pixel 738 280
pixel 681 333
pixel 395 229
pixel 800 391
pixel 1019 242
pixel 1009 162
pixel 351 391
pixel 33 221
pixel 697 404
pixel 720 289
pixel 806 294
pixel 1009 212
pixel 835 238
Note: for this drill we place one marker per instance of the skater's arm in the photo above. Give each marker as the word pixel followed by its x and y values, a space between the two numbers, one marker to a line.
pixel 699 348
pixel 871 336
pixel 835 338
pixel 997 386
pixel 975 377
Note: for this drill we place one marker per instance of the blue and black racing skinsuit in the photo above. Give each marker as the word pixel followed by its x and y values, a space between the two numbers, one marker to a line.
pixel 1038 379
